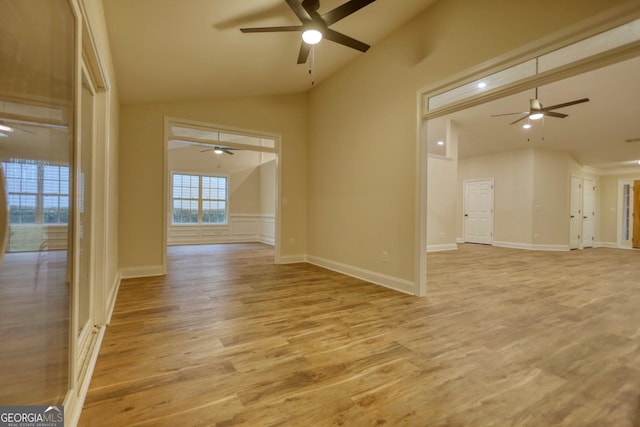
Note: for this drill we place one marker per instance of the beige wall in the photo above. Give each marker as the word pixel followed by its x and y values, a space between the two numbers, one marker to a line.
pixel 141 165
pixel 608 206
pixel 442 186
pixel 442 201
pixel 268 172
pixel 512 173
pixel 550 203
pixel 362 174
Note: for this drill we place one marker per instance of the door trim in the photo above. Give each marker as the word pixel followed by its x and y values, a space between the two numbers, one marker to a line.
pixel 621 183
pixel 592 213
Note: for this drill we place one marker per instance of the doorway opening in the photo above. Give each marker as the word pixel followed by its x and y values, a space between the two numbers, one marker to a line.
pixel 221 185
pixel 531 163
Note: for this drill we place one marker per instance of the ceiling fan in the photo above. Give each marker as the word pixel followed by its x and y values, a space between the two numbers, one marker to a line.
pixel 315 26
pixel 220 150
pixel 537 111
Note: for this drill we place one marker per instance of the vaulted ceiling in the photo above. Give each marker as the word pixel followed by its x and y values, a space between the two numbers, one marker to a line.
pixel 167 50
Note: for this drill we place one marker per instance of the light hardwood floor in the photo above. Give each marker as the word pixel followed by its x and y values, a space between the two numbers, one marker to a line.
pixel 505 337
pixel 34 328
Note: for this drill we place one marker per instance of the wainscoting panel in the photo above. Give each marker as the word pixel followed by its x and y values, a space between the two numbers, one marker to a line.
pixel 242 228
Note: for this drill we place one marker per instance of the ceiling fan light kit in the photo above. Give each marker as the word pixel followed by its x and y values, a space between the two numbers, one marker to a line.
pixel 315 27
pixel 312 36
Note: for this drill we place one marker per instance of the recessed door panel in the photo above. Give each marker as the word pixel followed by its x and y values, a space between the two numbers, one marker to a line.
pixel 478 211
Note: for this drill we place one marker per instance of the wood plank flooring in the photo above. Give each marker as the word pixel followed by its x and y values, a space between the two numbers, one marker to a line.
pixel 504 338
pixel 34 328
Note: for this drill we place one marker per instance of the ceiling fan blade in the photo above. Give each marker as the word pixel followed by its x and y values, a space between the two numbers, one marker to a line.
pixel 345 10
pixel 509 114
pixel 566 104
pixel 272 29
pixel 554 114
pixel 340 38
pixel 299 10
pixel 228 151
pixel 304 52
pixel 520 119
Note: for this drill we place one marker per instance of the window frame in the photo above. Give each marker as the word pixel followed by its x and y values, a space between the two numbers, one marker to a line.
pixel 200 199
pixel 40 213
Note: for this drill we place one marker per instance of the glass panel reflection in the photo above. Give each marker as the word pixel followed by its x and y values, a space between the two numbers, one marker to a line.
pixel 36 111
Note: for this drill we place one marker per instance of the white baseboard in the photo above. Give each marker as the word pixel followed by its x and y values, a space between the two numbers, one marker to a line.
pixel 440 248
pixel 142 271
pixel 530 247
pixel 74 400
pixel 291 259
pixel 612 245
pixel 394 283
pixel 111 302
pixel 268 240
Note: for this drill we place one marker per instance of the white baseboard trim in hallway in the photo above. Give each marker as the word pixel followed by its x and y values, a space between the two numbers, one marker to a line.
pixel 142 271
pixel 394 283
pixel 440 248
pixel 531 247
pixel 75 399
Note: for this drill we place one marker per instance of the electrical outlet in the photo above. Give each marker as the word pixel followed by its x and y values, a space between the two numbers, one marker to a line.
pixel 385 257
pixel 292 242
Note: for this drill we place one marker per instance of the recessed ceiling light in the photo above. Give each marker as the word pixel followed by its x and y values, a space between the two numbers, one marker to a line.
pixel 440 142
pixel 527 125
pixel 5 128
pixel 639 162
pixel 482 85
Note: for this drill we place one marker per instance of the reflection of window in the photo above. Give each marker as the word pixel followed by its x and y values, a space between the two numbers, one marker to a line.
pixel 37 192
pixel 199 199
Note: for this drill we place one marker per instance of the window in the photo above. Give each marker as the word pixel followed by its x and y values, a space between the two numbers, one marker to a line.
pixel 199 199
pixel 37 192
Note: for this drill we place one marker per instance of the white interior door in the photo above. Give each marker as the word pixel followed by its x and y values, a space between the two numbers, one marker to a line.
pixel 478 211
pixel 575 212
pixel 588 213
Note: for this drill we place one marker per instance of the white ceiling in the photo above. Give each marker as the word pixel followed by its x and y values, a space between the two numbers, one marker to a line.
pixel 595 132
pixel 167 50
